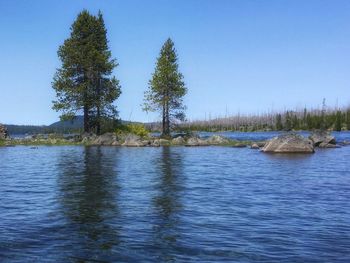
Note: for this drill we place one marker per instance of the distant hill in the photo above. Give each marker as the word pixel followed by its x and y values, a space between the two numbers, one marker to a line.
pixel 76 123
pixel 70 126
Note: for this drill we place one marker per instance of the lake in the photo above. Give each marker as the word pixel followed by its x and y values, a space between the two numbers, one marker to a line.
pixel 174 204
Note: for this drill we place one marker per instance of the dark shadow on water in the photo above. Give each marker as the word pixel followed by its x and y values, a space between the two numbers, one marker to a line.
pixel 167 203
pixel 88 196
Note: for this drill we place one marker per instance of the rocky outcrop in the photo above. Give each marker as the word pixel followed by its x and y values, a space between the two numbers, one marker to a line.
pixel 217 139
pixel 254 146
pixel 132 140
pixel 322 139
pixel 289 143
pixel 194 141
pixel 328 145
pixel 3 132
pixel 178 141
pixel 105 139
pixel 87 137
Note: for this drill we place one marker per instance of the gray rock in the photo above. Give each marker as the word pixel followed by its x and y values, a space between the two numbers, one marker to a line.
pixel 116 143
pixel 132 140
pixel 178 141
pixel 164 142
pixel 345 143
pixel 155 143
pixel 88 137
pixel 105 139
pixel 217 139
pixel 322 137
pixel 327 145
pixel 289 143
pixel 196 142
pixel 147 142
pixel 254 146
pixel 261 144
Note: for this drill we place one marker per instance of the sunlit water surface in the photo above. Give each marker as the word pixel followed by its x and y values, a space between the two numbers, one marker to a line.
pixel 173 204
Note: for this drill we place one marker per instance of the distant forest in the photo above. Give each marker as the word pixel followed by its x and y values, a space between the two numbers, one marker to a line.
pixel 330 119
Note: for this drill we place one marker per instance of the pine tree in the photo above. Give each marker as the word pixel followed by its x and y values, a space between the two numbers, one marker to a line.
pixel 288 122
pixel 348 119
pixel 338 121
pixel 166 89
pixel 279 125
pixel 84 82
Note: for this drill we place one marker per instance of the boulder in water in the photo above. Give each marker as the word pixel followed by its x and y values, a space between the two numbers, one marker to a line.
pixel 194 141
pixel 322 138
pixel 217 139
pixel 328 145
pixel 254 146
pixel 289 143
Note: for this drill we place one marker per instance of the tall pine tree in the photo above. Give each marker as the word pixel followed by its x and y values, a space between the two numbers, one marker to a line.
pixel 84 82
pixel 166 89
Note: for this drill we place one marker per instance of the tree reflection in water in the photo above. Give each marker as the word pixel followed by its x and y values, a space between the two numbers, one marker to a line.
pixel 167 203
pixel 88 196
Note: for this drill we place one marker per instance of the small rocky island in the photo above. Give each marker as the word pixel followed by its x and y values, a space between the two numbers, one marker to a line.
pixel 289 142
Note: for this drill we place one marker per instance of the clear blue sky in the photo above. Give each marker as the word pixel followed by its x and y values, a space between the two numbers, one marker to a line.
pixel 236 56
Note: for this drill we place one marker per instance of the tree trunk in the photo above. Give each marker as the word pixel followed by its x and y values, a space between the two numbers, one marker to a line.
pixel 164 120
pixel 86 119
pixel 98 117
pixel 167 121
pixel 98 124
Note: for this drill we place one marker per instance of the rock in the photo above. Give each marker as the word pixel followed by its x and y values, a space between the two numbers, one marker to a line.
pixel 239 145
pixel 254 146
pixel 196 142
pixel 164 142
pixel 155 143
pixel 178 141
pixel 146 142
pixel 116 143
pixel 289 143
pixel 88 137
pixel 132 140
pixel 345 143
pixel 105 139
pixel 327 145
pixel 217 139
pixel 322 137
pixel 3 132
pixel 261 144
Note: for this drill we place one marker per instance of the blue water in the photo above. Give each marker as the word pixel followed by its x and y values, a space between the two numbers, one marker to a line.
pixel 173 204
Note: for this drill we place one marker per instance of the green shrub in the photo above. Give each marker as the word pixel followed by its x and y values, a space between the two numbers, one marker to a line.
pixel 137 129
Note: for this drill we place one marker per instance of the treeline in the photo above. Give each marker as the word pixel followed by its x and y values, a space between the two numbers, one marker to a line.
pixel 335 120
pixel 31 129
